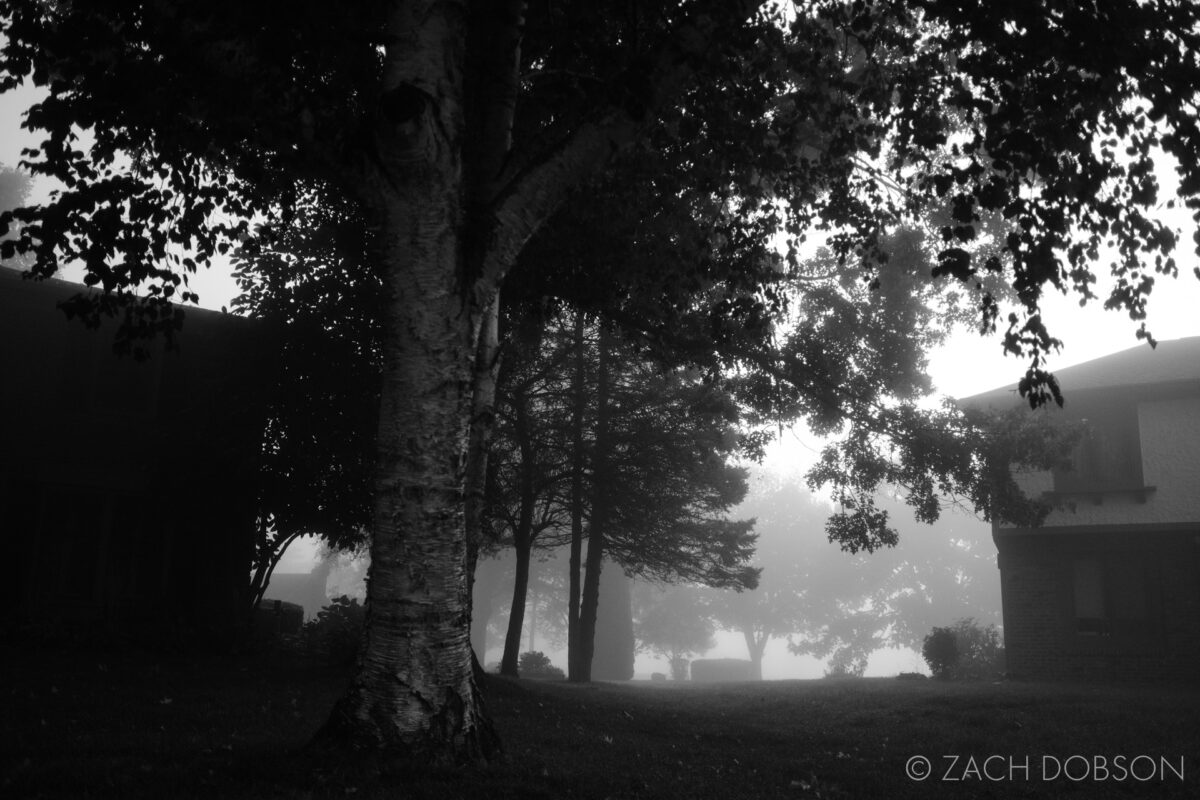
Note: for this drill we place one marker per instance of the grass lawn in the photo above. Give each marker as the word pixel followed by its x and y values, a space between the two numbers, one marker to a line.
pixel 123 725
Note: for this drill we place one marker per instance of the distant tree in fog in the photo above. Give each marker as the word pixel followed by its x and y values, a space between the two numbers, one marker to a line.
pixel 789 596
pixel 15 188
pixel 674 622
pixel 829 603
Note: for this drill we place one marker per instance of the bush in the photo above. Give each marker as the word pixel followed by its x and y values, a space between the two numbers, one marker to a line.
pixel 535 664
pixel 940 650
pixel 980 654
pixel 844 665
pixel 335 633
pixel 966 651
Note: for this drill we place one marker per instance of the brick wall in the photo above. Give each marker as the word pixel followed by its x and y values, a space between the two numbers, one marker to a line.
pixel 1041 637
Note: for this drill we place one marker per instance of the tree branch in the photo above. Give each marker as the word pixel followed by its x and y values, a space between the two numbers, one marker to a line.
pixel 537 189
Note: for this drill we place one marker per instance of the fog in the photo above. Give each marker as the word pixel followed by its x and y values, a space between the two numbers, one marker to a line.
pixel 872 609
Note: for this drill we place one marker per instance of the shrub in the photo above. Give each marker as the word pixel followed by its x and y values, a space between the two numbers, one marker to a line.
pixel 536 664
pixel 940 650
pixel 966 651
pixel 980 654
pixel 335 633
pixel 844 665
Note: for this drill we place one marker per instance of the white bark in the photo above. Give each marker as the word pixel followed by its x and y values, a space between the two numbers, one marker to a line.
pixel 414 694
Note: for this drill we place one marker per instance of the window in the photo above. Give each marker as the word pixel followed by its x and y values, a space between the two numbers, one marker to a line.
pixel 1110 455
pixel 1091 612
pixel 1111 596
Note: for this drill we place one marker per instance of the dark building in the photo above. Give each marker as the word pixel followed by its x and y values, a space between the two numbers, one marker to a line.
pixel 127 487
pixel 1109 586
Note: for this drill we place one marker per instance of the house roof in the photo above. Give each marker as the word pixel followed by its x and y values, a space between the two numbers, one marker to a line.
pixel 57 290
pixel 1172 361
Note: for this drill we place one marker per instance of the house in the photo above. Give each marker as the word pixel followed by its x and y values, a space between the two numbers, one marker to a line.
pixel 308 590
pixel 128 487
pixel 1109 586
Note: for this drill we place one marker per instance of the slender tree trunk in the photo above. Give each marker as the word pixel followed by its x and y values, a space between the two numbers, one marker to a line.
pixel 522 535
pixel 579 400
pixel 492 86
pixel 590 601
pixel 415 694
pixel 516 613
pixel 483 596
pixel 532 614
pixel 263 572
pixel 483 412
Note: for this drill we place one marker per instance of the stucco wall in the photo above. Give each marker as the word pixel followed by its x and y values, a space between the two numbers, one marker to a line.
pixel 1170 445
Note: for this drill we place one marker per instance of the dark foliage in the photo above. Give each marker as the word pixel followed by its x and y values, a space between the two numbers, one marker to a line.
pixel 333 637
pixel 941 652
pixel 980 651
pixel 536 664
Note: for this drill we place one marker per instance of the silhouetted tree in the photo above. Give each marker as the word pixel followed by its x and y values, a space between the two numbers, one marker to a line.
pixel 312 286
pixel 642 473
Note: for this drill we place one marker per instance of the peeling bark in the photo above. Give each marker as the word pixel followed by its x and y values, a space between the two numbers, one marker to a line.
pixel 415 693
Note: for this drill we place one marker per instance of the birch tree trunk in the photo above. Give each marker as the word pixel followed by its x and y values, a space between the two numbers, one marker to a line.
pixel 447 240
pixel 414 694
